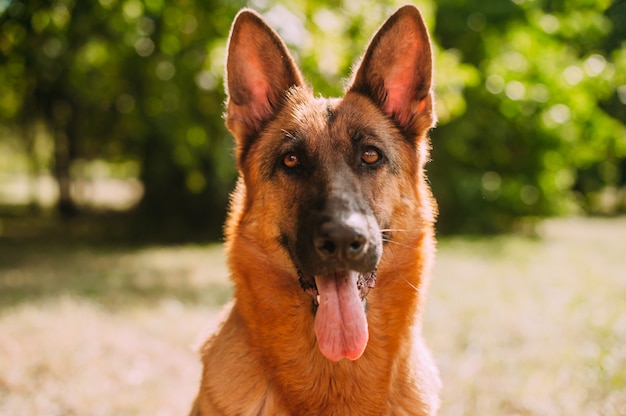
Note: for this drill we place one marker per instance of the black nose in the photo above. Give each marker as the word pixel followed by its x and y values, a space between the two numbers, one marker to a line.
pixel 340 242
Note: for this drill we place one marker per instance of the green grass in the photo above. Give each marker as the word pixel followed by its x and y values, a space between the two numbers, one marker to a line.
pixel 518 326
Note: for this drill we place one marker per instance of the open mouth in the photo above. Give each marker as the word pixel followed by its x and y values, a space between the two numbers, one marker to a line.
pixel 365 282
pixel 339 303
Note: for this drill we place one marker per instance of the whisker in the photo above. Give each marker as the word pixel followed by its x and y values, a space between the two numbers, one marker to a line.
pixel 411 285
pixel 386 237
pixel 289 134
pixel 386 240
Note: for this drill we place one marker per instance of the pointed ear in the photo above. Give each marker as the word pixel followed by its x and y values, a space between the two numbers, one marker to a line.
pixel 259 72
pixel 396 71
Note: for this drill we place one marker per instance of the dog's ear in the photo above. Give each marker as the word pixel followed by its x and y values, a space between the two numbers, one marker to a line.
pixel 259 71
pixel 396 71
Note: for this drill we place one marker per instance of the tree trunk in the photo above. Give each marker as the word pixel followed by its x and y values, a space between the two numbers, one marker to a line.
pixel 64 150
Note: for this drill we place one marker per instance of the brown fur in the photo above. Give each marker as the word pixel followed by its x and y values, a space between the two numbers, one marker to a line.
pixel 264 359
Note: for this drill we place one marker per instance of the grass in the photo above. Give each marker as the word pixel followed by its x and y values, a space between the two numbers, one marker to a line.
pixel 523 327
pixel 519 326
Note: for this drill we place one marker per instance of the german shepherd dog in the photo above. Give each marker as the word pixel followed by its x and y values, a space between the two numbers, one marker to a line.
pixel 330 233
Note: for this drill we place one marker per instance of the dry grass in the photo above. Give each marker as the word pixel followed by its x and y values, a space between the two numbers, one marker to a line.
pixel 526 327
pixel 519 326
pixel 104 331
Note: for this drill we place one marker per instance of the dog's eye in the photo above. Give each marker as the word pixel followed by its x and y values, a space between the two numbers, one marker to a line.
pixel 370 156
pixel 291 161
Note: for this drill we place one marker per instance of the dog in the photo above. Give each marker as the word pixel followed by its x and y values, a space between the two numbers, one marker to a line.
pixel 330 233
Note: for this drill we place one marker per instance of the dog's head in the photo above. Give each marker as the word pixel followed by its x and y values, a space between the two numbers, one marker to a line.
pixel 331 179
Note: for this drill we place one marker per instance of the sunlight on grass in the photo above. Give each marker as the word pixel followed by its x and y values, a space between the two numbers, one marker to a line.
pixel 526 327
pixel 105 331
pixel 74 357
pixel 519 326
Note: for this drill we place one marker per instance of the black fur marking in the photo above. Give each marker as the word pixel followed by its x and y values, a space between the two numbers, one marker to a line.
pixel 283 241
pixel 330 114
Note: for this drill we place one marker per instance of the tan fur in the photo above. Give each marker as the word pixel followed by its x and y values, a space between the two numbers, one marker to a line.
pixel 264 359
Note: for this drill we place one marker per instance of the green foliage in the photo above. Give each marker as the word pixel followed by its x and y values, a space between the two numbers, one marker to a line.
pixel 537 118
pixel 531 97
pixel 123 80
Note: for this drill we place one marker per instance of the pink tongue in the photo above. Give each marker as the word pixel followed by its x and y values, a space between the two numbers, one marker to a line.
pixel 340 322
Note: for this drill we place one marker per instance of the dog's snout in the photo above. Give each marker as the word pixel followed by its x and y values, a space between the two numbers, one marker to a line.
pixel 341 242
pixel 340 236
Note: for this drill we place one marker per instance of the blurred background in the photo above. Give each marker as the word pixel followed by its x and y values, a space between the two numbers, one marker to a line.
pixel 113 108
pixel 115 171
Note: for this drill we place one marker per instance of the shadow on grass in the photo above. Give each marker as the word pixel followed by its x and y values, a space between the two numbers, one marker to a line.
pixel 114 276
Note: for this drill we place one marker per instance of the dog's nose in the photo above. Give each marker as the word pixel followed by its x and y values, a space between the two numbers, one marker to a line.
pixel 340 242
pixel 333 241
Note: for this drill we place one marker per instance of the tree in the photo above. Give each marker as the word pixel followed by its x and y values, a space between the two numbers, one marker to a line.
pixel 531 98
pixel 539 115
pixel 126 80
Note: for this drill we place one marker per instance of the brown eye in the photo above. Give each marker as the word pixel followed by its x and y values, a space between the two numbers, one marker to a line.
pixel 291 161
pixel 370 156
